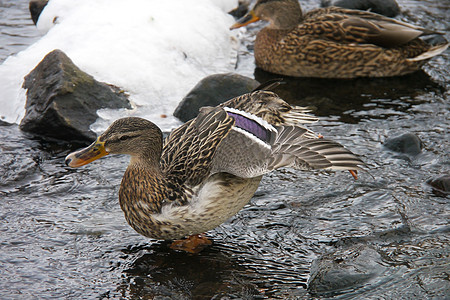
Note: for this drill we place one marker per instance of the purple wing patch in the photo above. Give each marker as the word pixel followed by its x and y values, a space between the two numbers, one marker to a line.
pixel 250 126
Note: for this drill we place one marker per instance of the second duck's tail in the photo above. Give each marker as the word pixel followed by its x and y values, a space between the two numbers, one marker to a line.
pixel 433 51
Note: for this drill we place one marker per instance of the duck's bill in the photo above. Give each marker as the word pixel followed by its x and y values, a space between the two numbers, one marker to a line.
pixel 84 156
pixel 245 20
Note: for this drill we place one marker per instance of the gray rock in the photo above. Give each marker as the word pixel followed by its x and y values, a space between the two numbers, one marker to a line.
pixel 211 91
pixel 388 8
pixel 344 269
pixel 36 7
pixel 407 143
pixel 440 185
pixel 241 10
pixel 62 100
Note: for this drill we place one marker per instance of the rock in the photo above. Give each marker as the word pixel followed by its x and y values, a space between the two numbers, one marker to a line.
pixel 344 269
pixel 211 91
pixel 241 10
pixel 407 143
pixel 440 185
pixel 36 7
pixel 62 100
pixel 388 8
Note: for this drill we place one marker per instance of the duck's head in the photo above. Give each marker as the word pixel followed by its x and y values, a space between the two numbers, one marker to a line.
pixel 133 136
pixel 281 14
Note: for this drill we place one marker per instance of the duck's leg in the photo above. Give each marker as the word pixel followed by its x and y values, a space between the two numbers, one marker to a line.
pixel 192 244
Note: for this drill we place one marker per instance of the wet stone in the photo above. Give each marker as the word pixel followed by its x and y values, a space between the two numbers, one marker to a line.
pixel 241 10
pixel 211 91
pixel 344 269
pixel 36 7
pixel 388 8
pixel 407 143
pixel 440 185
pixel 62 101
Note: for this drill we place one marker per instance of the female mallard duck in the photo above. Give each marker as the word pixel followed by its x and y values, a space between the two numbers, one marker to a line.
pixel 335 42
pixel 210 167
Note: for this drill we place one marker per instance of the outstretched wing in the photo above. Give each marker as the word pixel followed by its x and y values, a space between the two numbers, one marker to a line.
pixel 292 149
pixel 188 151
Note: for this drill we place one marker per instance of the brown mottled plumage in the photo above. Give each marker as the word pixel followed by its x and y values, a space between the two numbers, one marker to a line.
pixel 335 42
pixel 209 168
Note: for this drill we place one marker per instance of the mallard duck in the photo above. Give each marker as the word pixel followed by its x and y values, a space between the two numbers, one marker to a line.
pixel 206 170
pixel 335 42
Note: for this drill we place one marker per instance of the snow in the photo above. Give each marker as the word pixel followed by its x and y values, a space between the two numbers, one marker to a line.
pixel 155 50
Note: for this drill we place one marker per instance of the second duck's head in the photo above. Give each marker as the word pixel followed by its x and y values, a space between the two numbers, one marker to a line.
pixel 281 14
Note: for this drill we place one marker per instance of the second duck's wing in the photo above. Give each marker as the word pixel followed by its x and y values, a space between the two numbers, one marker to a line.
pixel 188 151
pixel 355 26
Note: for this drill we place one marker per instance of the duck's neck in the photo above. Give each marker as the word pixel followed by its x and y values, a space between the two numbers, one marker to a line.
pixel 142 194
pixel 142 185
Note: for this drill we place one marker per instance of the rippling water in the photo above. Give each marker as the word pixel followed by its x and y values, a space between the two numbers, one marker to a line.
pixel 63 234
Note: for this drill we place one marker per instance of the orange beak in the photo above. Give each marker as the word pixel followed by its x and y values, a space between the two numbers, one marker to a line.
pixel 89 154
pixel 250 17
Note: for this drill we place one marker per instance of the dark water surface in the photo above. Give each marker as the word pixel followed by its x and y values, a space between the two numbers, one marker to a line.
pixel 384 236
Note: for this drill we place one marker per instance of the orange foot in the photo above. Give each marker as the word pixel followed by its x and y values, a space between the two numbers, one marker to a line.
pixel 192 244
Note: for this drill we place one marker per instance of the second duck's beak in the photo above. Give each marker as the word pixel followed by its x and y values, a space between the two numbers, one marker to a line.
pixel 89 154
pixel 250 17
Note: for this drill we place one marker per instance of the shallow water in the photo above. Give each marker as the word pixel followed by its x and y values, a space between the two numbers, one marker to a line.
pixel 63 234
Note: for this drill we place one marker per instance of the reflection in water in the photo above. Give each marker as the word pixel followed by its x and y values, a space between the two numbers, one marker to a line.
pixel 340 97
pixel 180 275
pixel 223 269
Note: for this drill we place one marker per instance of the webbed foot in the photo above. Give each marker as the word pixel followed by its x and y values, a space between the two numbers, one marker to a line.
pixel 192 244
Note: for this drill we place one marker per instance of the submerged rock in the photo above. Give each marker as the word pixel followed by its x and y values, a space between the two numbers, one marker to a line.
pixel 407 143
pixel 36 7
pixel 440 185
pixel 211 91
pixel 344 269
pixel 62 100
pixel 388 8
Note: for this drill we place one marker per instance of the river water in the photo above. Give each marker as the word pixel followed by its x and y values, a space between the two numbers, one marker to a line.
pixel 384 236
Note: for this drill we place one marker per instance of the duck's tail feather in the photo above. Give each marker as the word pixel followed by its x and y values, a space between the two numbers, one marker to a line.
pixel 433 51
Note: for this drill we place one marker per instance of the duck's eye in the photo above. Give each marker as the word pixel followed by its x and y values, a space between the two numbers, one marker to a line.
pixel 124 137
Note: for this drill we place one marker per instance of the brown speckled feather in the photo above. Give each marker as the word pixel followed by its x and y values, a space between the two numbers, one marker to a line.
pixel 336 42
pixel 355 26
pixel 188 150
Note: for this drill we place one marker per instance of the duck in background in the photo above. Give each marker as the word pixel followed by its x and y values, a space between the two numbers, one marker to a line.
pixel 336 42
pixel 209 168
